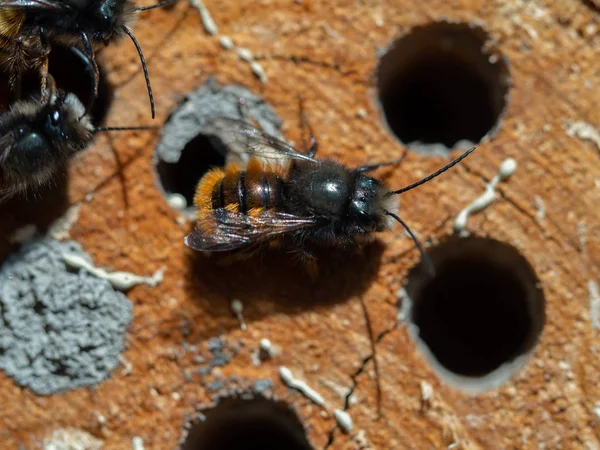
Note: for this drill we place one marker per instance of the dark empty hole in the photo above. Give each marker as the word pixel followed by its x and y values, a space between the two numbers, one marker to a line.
pixel 483 308
pixel 197 157
pixel 473 316
pixel 437 85
pixel 439 99
pixel 249 424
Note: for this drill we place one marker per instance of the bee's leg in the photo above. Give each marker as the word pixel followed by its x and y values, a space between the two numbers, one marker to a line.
pixel 239 255
pixel 91 68
pixel 243 109
pixel 17 61
pixel 230 258
pixel 45 50
pixel 312 267
pixel 245 113
pixel 314 145
pixel 307 258
pixel 14 83
pixel 383 164
pixel 359 248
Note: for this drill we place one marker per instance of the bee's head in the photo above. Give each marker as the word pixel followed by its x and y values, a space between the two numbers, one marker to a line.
pixel 107 15
pixel 368 205
pixel 44 136
pixel 64 122
pixel 102 19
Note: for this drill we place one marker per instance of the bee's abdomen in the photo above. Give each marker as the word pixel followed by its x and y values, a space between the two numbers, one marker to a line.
pixel 243 192
pixel 240 190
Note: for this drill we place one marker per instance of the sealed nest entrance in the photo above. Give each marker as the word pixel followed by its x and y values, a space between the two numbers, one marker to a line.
pixel 185 152
pixel 249 424
pixel 440 87
pixel 482 311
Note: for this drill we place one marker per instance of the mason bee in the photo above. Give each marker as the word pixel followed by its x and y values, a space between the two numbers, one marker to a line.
pixel 284 194
pixel 29 27
pixel 37 138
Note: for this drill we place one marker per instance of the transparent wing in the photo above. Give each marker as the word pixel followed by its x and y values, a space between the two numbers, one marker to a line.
pixel 222 230
pixel 241 137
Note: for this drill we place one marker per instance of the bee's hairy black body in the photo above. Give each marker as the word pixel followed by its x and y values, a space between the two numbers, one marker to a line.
pixel 102 20
pixel 284 194
pixel 346 202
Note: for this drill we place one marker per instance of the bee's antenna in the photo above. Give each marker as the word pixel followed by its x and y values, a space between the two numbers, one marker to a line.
pixel 426 258
pixel 156 5
pixel 435 174
pixel 144 68
pixel 149 127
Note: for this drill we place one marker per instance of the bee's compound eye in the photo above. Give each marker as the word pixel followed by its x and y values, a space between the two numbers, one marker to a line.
pixel 107 13
pixel 55 117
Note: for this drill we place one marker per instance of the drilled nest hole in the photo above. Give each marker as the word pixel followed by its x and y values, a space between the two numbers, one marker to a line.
pixel 185 153
pixel 481 315
pixel 250 423
pixel 441 86
pixel 181 178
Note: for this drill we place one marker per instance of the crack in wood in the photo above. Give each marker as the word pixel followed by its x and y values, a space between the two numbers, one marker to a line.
pixel 306 60
pixel 354 379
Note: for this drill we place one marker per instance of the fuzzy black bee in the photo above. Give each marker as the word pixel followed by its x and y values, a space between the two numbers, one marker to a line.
pixel 285 194
pixel 37 138
pixel 28 28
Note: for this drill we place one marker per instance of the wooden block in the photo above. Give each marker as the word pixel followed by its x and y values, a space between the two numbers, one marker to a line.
pixel 329 53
